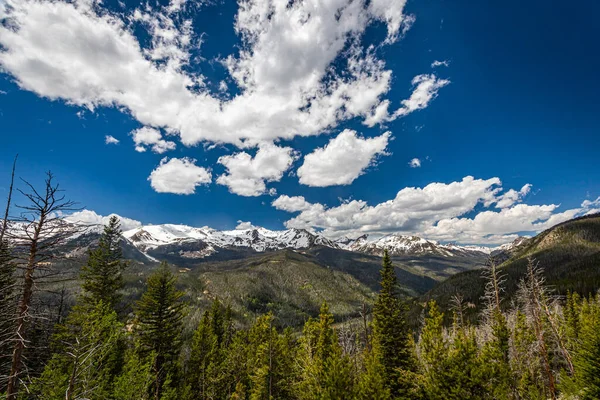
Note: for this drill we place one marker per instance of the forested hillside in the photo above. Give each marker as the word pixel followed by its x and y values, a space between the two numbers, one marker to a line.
pixel 568 256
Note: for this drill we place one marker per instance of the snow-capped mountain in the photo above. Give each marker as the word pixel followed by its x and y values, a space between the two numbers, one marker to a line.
pixel 154 242
pixel 398 245
pixel 510 246
pixel 258 239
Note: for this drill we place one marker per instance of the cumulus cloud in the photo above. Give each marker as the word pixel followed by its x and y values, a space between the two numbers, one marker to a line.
pixel 436 211
pixel 414 163
pixel 291 203
pixel 287 81
pixel 512 196
pixel 342 160
pixel 88 217
pixel 108 139
pixel 152 138
pixel 178 176
pixel 244 225
pixel 247 175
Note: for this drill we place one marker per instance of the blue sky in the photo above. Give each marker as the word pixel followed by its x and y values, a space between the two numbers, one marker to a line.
pixel 513 100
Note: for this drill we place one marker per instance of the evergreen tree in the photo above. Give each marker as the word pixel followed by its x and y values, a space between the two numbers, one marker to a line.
pixel 87 357
pixel 159 314
pixel 525 362
pixel 434 353
pixel 587 353
pixel 372 384
pixel 102 275
pixel 325 372
pixel 136 380
pixel 205 358
pixel 391 335
pixel 270 361
pixel 495 359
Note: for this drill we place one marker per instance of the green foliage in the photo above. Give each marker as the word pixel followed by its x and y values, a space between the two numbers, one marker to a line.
pixel 136 379
pixel 391 335
pixel 88 356
pixel 324 372
pixel 102 275
pixel 159 315
pixel 586 382
pixel 270 360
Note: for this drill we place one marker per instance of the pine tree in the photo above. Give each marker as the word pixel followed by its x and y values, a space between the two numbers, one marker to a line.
pixel 204 355
pixel 495 353
pixel 587 353
pixel 136 379
pixel 325 372
pixel 372 384
pixel 525 361
pixel 270 361
pixel 434 353
pixel 159 314
pixel 102 275
pixel 87 356
pixel 391 335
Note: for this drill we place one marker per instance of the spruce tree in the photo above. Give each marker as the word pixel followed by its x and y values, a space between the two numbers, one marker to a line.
pixel 587 354
pixel 271 358
pixel 87 356
pixel 434 353
pixel 325 373
pixel 391 334
pixel 102 275
pixel 159 315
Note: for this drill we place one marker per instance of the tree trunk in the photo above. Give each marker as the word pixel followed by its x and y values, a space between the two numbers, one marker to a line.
pixel 17 358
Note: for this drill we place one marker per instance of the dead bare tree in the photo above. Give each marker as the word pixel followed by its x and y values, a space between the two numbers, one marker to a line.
pixel 494 287
pixel 36 234
pixel 8 201
pixel 7 290
pixel 538 304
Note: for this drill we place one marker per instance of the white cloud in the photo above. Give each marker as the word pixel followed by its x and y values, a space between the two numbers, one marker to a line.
pixel 591 203
pixel 425 89
pixel 435 211
pixel 437 63
pixel 415 163
pixel 151 137
pixel 342 160
pixel 88 217
pixel 291 204
pixel 108 139
pixel 179 176
pixel 244 225
pixel 247 175
pixel 287 81
pixel 223 86
pixel 512 196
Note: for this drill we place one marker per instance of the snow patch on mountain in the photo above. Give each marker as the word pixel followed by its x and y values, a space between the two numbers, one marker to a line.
pixel 258 239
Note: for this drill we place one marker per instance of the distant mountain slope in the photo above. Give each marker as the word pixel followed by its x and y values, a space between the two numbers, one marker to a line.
pixel 289 284
pixel 569 254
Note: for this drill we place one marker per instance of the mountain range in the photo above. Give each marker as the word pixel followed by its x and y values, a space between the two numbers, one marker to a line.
pixel 200 243
pixel 290 272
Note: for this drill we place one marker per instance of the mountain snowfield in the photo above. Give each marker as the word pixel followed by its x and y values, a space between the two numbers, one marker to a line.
pixel 259 239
